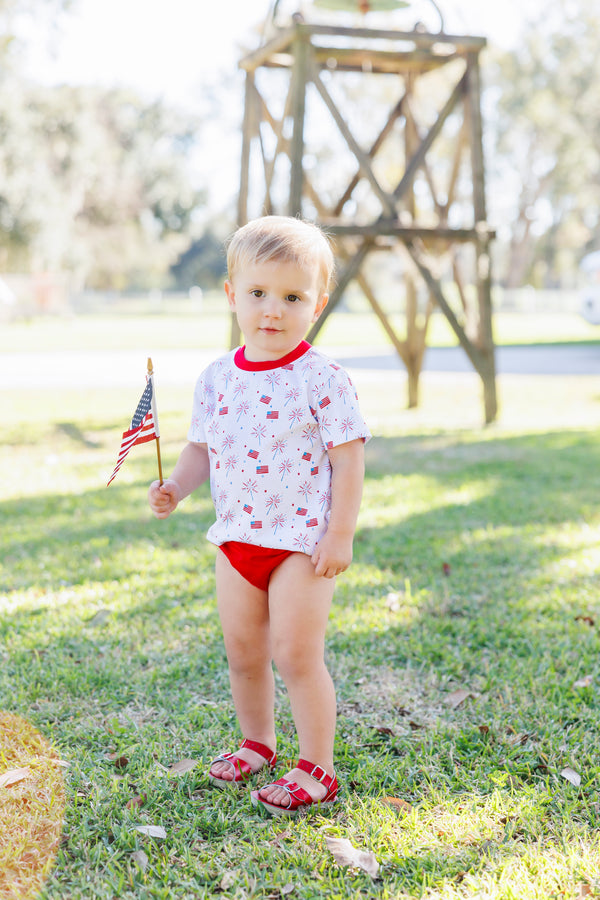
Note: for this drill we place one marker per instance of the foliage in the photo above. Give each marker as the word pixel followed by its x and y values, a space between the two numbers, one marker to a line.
pixel 109 196
pixel 202 263
pixel 546 129
pixel 463 642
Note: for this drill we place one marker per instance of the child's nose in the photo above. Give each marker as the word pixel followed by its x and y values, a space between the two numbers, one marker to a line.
pixel 273 308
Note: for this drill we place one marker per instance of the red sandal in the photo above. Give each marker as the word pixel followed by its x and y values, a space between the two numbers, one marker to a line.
pixel 242 770
pixel 299 800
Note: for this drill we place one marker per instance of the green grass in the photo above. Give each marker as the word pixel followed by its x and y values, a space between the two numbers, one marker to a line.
pixel 210 328
pixel 110 643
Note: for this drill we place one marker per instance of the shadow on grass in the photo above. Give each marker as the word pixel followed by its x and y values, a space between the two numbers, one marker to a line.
pixel 114 641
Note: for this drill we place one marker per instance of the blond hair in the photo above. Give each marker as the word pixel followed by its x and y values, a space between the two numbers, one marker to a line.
pixel 281 238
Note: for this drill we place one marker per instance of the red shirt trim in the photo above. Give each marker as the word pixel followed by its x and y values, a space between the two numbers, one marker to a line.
pixel 249 366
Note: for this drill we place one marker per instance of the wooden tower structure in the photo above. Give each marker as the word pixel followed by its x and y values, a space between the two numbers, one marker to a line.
pixel 412 189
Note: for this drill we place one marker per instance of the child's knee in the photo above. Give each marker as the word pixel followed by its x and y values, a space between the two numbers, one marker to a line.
pixel 293 662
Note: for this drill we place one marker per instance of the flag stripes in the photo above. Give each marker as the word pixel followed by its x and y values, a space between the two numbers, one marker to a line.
pixel 143 427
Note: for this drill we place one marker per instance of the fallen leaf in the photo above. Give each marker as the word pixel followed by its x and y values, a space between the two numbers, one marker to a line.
pixel 587 620
pixel 287 889
pixel 13 776
pixel 572 776
pixel 456 698
pixel 584 890
pixel 141 859
pixel 484 729
pixel 383 729
pixel 392 601
pixel 100 617
pixel 121 762
pixel 346 854
pixel 136 802
pixel 446 569
pixel 184 765
pixel 584 682
pixel 156 831
pixel 398 804
pixel 227 881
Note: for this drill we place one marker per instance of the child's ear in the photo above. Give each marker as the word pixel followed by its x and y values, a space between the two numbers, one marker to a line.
pixel 321 304
pixel 230 294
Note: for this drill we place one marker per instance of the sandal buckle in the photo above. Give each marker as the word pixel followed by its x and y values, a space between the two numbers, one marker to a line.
pixel 318 777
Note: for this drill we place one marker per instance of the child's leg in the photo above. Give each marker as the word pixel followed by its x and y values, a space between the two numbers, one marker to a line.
pixel 299 605
pixel 244 614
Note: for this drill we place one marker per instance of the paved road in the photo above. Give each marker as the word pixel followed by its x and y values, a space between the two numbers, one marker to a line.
pixel 181 367
pixel 536 360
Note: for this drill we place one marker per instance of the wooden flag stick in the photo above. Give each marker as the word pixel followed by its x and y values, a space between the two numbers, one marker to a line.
pixel 155 416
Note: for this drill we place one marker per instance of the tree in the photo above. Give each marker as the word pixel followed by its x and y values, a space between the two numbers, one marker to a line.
pixel 546 143
pixel 94 182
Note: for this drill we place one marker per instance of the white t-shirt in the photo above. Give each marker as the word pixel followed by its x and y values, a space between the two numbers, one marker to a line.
pixel 268 426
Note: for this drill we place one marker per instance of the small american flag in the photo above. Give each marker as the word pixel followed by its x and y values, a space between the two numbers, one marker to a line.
pixel 143 427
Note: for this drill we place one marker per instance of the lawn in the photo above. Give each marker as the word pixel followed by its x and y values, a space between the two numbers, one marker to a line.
pixel 463 643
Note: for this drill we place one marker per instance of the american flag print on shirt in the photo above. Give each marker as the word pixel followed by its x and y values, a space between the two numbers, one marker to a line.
pixel 278 439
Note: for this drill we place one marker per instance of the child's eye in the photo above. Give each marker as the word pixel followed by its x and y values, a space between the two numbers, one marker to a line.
pixel 292 298
pixel 257 293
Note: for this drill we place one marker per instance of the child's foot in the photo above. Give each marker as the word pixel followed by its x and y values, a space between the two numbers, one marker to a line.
pixel 276 795
pixel 306 785
pixel 235 768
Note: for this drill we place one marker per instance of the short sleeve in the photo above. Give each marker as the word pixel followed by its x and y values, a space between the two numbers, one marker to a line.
pixel 336 408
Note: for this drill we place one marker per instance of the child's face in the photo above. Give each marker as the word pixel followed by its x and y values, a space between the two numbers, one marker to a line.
pixel 275 303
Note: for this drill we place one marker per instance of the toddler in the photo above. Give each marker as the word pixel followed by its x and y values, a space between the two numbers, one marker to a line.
pixel 277 429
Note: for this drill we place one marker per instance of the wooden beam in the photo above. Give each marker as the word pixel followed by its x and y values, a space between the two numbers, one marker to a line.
pixel 344 278
pixel 298 108
pixel 383 227
pixel 394 115
pixel 259 57
pixel 363 158
pixel 430 137
pixel 462 42
pixel 349 59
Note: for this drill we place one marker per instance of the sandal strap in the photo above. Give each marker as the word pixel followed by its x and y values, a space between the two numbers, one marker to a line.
pixel 318 773
pixel 261 749
pixel 242 769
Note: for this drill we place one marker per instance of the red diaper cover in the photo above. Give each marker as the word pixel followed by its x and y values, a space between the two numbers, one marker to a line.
pixel 255 564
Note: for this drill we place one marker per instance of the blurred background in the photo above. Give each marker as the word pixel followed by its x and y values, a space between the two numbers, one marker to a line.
pixel 121 139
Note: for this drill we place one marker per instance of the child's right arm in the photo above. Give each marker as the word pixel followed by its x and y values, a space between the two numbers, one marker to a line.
pixel 191 470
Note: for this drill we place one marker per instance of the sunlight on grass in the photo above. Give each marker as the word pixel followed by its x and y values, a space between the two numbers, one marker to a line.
pixel 463 642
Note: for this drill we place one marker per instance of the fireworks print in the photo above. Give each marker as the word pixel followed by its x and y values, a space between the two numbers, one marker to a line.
pixel 231 463
pixel 292 394
pixel 259 432
pixel 268 434
pixel 285 467
pixel 273 502
pixel 278 446
pixel 305 489
pixel 250 487
pixel 242 409
pixel 347 427
pixel 278 521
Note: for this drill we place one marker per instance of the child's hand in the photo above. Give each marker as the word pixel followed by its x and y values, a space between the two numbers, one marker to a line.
pixel 333 554
pixel 163 498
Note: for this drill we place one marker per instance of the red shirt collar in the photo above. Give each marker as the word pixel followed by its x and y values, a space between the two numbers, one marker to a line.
pixel 249 366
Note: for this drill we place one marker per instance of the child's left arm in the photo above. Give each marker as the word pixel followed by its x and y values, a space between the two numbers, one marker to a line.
pixel 333 553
